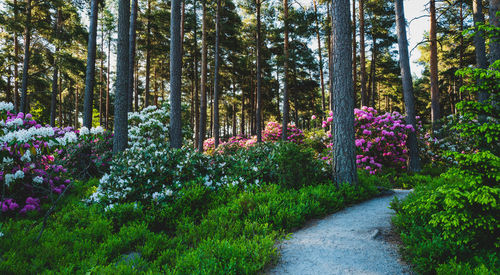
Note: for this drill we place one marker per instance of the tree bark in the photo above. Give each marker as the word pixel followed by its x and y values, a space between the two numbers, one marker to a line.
pixel 373 73
pixel 148 55
pixel 107 79
pixel 195 70
pixel 435 106
pixel 203 91
pixel 258 111
pixel 362 57
pixel 495 40
pixel 90 73
pixel 409 98
pixel 101 77
pixel 175 75
pixel 26 62
pixel 286 105
pixel 77 111
pixel 53 99
pixel 131 65
pixel 216 77
pixel 120 138
pixel 16 65
pixel 344 151
pixel 322 81
pixel 354 49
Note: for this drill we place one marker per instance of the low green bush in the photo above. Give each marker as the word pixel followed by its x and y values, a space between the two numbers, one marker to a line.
pixel 202 231
pixel 450 225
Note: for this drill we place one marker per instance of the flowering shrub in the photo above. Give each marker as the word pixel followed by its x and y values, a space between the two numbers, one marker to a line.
pixel 87 153
pixel 149 126
pixel 274 130
pixel 380 139
pixel 28 172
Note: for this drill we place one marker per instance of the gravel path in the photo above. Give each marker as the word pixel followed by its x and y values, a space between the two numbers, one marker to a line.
pixel 348 242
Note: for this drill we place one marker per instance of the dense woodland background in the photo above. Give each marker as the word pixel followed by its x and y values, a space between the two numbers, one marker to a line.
pixel 52 38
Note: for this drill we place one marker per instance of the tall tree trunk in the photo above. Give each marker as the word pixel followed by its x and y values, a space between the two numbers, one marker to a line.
pixel 120 138
pixel 16 65
pixel 195 70
pixel 373 73
pixel 60 101
pixel 203 91
pixel 131 65
pixel 101 78
pixel 480 49
pixel 90 74
pixel 175 75
pixel 77 110
pixel 258 111
pixel 494 21
pixel 242 122
pixel 344 150
pixel 53 99
pixel 183 15
pixel 286 105
pixel 233 133
pixel 26 62
pixel 330 76
pixel 136 86
pixel 354 49
pixel 461 48
pixel 148 54
pixel 216 77
pixel 322 81
pixel 435 106
pixel 107 80
pixel 362 57
pixel 409 98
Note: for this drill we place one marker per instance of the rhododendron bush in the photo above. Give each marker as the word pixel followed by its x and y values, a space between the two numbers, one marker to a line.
pixel 380 139
pixel 272 133
pixel 28 172
pixel 34 159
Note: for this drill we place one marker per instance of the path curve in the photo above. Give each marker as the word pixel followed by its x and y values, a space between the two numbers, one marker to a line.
pixel 346 242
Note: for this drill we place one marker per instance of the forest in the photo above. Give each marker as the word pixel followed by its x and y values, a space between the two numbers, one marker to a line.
pixel 190 137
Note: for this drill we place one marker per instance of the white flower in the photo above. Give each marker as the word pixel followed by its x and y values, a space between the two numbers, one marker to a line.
pixel 6 106
pixel 97 130
pixel 8 179
pixel 26 157
pixel 1 233
pixel 7 160
pixel 19 174
pixel 38 180
pixel 84 131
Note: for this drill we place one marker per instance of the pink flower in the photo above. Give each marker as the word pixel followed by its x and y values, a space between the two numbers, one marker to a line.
pixel 313 117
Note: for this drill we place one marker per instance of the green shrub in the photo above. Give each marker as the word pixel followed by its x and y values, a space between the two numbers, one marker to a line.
pixel 202 231
pixel 453 217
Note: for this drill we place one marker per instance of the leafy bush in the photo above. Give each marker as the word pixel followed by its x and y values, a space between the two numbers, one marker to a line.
pixel 453 217
pixel 229 231
pixel 90 155
pixel 28 172
pixel 380 139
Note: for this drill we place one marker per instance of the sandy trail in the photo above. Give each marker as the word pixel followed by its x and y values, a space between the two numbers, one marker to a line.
pixel 347 242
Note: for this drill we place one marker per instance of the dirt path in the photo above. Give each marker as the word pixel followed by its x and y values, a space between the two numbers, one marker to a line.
pixel 348 242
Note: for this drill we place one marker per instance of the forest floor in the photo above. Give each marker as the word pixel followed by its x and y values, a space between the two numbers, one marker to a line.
pixel 357 240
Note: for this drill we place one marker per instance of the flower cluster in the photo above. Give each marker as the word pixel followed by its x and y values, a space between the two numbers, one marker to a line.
pixel 380 139
pixel 274 131
pixel 27 153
